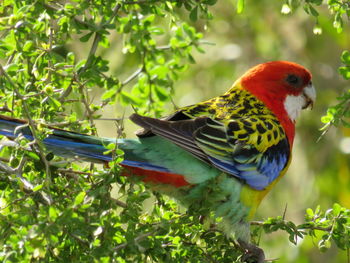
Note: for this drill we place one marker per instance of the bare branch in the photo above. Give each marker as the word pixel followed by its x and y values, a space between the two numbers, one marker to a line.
pixel 132 76
pixel 119 203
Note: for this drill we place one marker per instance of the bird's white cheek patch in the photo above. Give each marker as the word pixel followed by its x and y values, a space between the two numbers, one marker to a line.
pixel 293 105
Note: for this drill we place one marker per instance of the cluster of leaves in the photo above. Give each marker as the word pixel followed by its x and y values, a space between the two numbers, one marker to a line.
pixel 323 227
pixel 34 43
pixel 84 223
pixel 54 210
pixel 339 10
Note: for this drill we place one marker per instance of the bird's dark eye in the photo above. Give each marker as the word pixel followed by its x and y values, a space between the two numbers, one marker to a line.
pixel 293 80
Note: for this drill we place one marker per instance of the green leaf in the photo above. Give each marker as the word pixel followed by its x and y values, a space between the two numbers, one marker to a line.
pixel 326 119
pixel 159 72
pixel 336 209
pixel 345 57
pixel 129 99
pixel 80 64
pixel 191 59
pixel 240 6
pixel 316 2
pixel 210 2
pixel 86 37
pixel 194 14
pixel 313 11
pixel 69 6
pixel 345 72
pixel 332 2
pixel 309 212
pixel 38 187
pixel 70 57
pixel 28 46
pixel 108 94
pixel 33 156
pixel 54 102
pixel 11 68
pixel 53 213
pixel 110 146
pixel 79 198
pixel 161 93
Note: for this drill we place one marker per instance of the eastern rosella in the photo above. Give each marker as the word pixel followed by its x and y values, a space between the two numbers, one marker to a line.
pixel 225 153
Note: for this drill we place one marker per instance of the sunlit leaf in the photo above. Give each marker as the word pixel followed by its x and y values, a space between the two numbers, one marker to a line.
pixel 240 6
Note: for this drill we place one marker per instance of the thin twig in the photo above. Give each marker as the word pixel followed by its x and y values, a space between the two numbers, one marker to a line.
pixel 89 112
pixel 285 211
pixel 62 170
pixel 119 203
pixel 62 124
pixel 137 239
pixel 97 39
pixel 79 21
pixel 82 241
pixel 141 2
pixel 132 76
pixel 201 42
pixel 65 93
pixel 40 93
pixel 6 160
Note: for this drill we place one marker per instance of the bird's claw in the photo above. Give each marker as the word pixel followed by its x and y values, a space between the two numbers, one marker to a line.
pixel 252 253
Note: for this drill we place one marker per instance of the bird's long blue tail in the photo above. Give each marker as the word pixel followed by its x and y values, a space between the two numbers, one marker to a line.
pixel 61 142
pixel 139 157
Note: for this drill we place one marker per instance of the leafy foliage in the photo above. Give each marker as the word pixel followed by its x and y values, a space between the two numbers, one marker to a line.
pixel 324 227
pixel 338 9
pixel 340 113
pixel 54 210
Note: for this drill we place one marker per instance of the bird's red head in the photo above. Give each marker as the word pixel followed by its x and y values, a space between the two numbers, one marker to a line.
pixel 284 87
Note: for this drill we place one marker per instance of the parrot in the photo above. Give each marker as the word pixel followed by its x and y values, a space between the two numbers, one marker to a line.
pixel 222 155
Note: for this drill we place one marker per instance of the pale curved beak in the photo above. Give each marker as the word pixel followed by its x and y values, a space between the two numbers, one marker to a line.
pixel 309 94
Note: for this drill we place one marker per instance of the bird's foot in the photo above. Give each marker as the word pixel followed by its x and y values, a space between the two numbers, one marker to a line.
pixel 252 253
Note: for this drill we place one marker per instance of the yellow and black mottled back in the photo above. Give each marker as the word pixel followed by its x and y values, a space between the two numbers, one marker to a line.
pixel 246 118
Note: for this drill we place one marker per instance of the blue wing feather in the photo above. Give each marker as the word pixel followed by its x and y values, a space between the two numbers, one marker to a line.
pixel 260 171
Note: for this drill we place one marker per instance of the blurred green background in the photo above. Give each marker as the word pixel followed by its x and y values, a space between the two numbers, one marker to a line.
pixel 320 170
